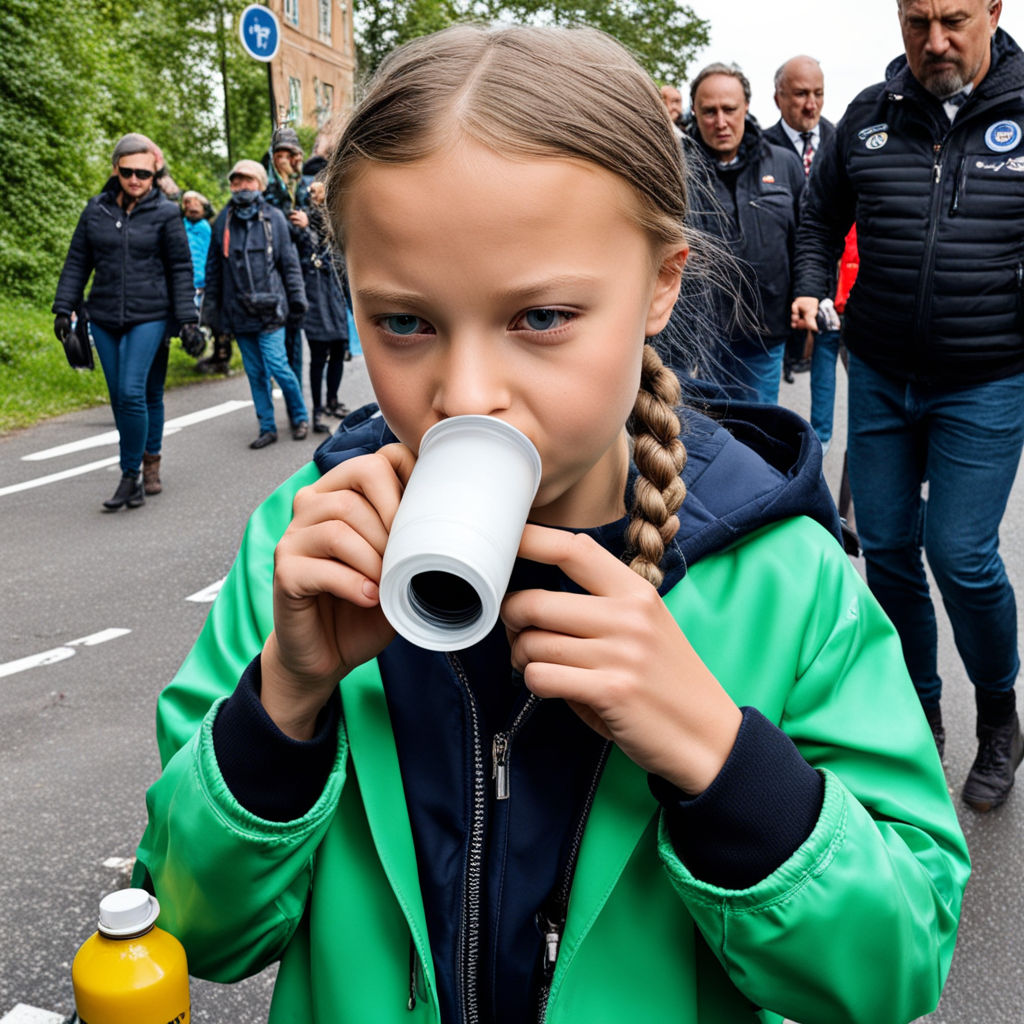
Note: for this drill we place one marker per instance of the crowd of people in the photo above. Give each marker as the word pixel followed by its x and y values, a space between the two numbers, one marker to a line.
pixel 727 799
pixel 261 272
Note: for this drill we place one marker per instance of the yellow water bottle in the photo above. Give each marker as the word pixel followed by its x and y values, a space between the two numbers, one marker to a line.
pixel 130 971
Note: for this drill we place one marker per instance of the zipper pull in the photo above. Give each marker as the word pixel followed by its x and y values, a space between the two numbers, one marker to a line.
pixel 499 765
pixel 552 940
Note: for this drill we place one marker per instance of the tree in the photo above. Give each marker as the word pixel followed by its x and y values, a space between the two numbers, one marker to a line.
pixel 662 35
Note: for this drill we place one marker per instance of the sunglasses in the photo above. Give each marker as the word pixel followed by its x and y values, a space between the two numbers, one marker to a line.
pixel 139 172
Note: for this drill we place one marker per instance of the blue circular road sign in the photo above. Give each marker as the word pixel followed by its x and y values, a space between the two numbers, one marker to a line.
pixel 260 31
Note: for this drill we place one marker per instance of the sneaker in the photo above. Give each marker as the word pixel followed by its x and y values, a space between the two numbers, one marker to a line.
pixel 1000 750
pixel 934 716
pixel 300 431
pixel 267 437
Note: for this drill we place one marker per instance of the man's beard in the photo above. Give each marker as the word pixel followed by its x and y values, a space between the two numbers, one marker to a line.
pixel 947 82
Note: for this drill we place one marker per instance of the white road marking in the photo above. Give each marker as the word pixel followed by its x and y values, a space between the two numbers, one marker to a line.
pixel 119 863
pixel 56 654
pixel 23 1014
pixel 27 485
pixel 110 436
pixel 207 594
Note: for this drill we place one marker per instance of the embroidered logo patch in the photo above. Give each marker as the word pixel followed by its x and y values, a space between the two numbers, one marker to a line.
pixel 877 141
pixel 990 165
pixel 768 179
pixel 1015 164
pixel 1003 136
pixel 865 132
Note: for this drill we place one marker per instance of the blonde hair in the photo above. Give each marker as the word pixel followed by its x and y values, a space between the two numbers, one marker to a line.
pixel 545 92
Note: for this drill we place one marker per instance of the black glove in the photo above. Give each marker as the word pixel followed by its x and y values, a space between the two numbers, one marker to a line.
pixel 296 314
pixel 193 341
pixel 62 327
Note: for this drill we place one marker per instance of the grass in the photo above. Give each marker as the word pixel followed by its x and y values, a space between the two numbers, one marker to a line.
pixel 35 379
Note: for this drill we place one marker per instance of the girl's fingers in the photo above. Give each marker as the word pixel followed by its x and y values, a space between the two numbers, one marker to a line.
pixel 380 477
pixel 582 559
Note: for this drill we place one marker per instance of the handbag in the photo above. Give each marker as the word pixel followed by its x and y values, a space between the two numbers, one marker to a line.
pixel 78 344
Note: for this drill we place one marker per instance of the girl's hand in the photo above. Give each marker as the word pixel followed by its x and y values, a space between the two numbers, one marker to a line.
pixel 620 660
pixel 327 617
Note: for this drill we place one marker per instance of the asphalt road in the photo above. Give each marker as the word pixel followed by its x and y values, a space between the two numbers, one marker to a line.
pixel 98 610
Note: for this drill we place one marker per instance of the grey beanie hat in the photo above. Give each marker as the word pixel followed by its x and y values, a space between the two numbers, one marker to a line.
pixel 132 143
pixel 285 138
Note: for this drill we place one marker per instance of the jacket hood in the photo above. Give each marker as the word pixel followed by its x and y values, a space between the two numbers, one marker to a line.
pixel 747 466
pixel 1004 73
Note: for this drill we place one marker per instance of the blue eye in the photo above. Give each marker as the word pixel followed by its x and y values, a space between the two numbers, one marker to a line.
pixel 543 319
pixel 402 323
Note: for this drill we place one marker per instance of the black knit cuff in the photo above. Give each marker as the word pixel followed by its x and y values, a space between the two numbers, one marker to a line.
pixel 760 808
pixel 270 774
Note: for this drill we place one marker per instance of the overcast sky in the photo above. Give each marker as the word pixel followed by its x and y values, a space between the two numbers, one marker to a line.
pixel 853 39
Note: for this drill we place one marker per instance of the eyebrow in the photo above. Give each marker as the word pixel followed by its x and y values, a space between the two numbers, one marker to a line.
pixel 523 293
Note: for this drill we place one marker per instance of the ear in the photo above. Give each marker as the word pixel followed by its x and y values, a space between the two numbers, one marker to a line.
pixel 666 290
pixel 993 15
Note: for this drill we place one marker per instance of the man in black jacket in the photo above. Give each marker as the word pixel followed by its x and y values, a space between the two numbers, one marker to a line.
pixel 253 286
pixel 756 193
pixel 930 166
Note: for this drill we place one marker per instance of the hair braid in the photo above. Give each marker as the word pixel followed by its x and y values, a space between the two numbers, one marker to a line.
pixel 660 458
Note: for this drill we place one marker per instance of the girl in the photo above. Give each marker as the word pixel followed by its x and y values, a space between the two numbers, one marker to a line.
pixel 664 787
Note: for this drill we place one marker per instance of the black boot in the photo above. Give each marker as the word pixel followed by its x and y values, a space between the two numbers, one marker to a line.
pixel 1000 750
pixel 129 492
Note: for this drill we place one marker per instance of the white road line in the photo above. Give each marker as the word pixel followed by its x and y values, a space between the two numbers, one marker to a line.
pixel 23 1014
pixel 39 481
pixel 55 654
pixel 207 594
pixel 110 436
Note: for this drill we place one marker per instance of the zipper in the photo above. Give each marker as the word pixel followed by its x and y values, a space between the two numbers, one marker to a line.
pixel 959 186
pixel 927 269
pixel 469 926
pixel 552 923
pixel 501 749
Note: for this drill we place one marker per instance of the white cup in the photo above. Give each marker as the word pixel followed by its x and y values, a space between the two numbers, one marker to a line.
pixel 457 530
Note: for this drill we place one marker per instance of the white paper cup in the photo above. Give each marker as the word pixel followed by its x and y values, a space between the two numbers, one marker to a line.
pixel 457 530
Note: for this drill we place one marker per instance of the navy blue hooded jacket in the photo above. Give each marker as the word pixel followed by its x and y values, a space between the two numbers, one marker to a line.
pixel 453 714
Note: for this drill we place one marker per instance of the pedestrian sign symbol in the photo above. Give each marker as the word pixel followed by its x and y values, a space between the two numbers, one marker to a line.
pixel 260 32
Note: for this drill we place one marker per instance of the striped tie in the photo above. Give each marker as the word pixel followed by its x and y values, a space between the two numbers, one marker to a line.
pixel 808 153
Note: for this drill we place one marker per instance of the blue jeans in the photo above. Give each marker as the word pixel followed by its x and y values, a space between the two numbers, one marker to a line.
pixel 750 370
pixel 823 383
pixel 263 356
pixel 134 368
pixel 966 443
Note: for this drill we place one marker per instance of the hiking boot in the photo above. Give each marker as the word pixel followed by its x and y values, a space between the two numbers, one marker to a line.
pixel 129 492
pixel 265 438
pixel 151 474
pixel 1000 750
pixel 934 716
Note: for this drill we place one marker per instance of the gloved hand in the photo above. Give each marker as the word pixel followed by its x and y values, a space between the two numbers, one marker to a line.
pixel 62 327
pixel 193 341
pixel 296 314
pixel 828 318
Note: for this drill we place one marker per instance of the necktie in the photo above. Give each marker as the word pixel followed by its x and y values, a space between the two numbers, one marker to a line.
pixel 808 153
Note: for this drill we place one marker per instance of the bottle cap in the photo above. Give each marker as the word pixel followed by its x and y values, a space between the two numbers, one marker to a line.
pixel 128 912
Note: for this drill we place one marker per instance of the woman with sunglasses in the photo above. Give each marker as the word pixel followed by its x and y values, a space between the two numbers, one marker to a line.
pixel 130 237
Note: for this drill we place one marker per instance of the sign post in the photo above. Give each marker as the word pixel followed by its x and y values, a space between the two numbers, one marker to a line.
pixel 260 32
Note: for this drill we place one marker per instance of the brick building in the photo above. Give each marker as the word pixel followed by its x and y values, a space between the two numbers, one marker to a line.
pixel 314 70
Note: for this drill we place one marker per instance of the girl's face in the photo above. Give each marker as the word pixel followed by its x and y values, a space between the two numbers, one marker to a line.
pixel 521 289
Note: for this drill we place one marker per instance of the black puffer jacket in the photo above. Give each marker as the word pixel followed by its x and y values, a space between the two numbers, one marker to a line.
pixel 142 263
pixel 326 316
pixel 272 262
pixel 758 200
pixel 939 209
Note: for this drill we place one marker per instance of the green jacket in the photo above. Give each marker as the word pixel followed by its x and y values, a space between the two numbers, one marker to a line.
pixel 858 925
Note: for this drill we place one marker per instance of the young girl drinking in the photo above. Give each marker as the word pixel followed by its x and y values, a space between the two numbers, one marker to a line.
pixel 686 776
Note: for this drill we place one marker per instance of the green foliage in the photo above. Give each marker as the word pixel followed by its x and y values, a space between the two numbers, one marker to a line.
pixel 663 35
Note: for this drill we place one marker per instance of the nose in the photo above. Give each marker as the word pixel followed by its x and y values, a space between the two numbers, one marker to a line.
pixel 472 379
pixel 938 40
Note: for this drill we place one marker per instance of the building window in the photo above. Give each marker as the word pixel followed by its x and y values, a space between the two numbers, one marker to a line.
pixel 324 20
pixel 324 103
pixel 291 12
pixel 294 100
